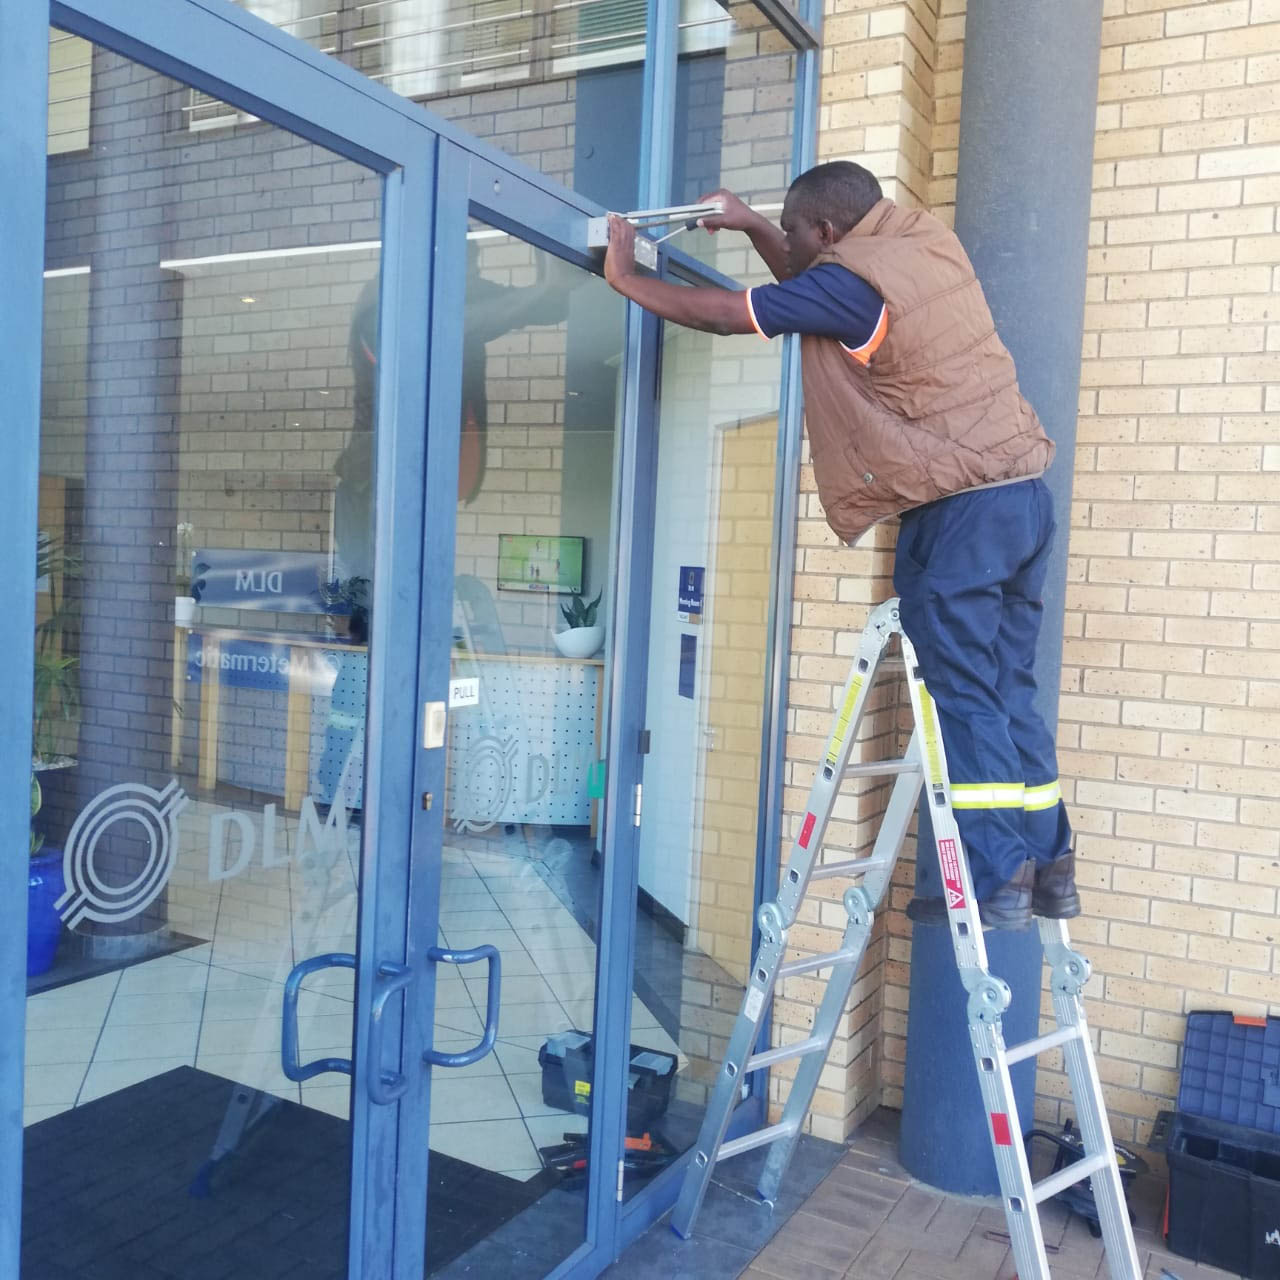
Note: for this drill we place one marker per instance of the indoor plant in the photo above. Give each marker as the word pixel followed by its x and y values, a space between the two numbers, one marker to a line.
pixel 583 636
pixel 184 602
pixel 55 680
pixel 349 598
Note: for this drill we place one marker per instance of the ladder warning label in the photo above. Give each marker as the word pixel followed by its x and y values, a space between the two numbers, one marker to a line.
pixel 806 830
pixel 1000 1130
pixel 949 857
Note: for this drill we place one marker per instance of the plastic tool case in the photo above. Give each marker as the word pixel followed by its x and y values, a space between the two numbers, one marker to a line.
pixel 567 1060
pixel 1223 1145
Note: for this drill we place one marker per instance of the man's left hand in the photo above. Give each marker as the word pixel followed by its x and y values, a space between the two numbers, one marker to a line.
pixel 620 256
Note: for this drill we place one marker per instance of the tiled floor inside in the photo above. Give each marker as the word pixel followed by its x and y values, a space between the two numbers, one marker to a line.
pixel 217 1005
pixel 868 1219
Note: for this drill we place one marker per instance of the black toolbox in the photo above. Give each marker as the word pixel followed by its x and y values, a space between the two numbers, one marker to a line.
pixel 567 1062
pixel 1223 1146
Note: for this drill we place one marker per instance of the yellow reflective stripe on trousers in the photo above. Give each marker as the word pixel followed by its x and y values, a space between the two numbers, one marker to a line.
pixel 1005 795
pixel 1043 797
pixel 987 795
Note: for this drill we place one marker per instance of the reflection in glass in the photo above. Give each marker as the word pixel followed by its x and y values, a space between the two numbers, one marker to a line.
pixel 735 118
pixel 205 586
pixel 536 517
pixel 713 534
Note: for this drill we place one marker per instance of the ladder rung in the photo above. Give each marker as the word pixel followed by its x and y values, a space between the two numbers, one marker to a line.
pixel 785 1052
pixel 855 867
pixel 808 965
pixel 1030 1048
pixel 1069 1176
pixel 760 1138
pixel 881 768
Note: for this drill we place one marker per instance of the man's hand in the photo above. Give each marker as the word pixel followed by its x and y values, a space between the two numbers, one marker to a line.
pixel 737 215
pixel 767 238
pixel 620 256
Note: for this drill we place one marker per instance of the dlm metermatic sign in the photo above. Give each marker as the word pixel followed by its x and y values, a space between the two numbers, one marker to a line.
pixel 286 581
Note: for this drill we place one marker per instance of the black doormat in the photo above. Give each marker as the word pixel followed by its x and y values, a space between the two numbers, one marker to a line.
pixel 108 1190
pixel 72 966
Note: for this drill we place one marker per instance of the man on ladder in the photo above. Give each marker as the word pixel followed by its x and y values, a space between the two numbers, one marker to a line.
pixel 913 410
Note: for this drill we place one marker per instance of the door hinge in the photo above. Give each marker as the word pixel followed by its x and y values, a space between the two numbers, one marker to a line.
pixel 635 813
pixel 621 1170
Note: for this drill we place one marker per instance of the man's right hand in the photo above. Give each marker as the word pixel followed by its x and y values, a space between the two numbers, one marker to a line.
pixel 737 215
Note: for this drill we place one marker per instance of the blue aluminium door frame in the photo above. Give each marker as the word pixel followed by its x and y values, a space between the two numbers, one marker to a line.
pixel 24 78
pixel 221 50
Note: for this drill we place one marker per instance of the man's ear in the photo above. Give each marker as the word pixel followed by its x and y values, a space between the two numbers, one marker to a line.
pixel 827 233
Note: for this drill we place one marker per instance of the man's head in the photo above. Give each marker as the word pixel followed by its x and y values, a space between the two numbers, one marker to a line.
pixel 823 204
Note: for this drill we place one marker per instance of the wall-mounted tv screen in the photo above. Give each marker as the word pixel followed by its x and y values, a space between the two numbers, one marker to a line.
pixel 532 562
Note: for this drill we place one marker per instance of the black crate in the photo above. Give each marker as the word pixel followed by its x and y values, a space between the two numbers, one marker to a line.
pixel 567 1061
pixel 1223 1146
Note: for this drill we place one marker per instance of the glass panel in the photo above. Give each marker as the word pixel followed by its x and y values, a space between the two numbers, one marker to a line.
pixel 708 644
pixel 735 119
pixel 522 868
pixel 203 596
pixel 556 84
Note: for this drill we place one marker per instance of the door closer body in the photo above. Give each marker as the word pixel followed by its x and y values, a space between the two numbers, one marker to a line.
pixel 647 219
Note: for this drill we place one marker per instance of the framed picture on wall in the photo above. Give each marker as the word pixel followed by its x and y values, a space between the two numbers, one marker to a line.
pixel 536 562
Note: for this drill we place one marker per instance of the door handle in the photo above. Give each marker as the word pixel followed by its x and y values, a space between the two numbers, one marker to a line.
pixel 444 955
pixel 290 1062
pixel 385 1086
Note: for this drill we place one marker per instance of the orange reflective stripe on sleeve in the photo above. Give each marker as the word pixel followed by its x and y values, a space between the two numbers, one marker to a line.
pixel 864 353
pixel 751 315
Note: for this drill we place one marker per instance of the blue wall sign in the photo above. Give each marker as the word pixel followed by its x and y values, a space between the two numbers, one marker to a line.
pixel 263 664
pixel 285 581
pixel 690 591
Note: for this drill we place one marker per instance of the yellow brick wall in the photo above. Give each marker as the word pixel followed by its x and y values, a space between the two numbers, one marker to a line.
pixel 1170 712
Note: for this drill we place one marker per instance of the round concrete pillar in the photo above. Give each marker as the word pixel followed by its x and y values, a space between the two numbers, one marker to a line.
pixel 1025 177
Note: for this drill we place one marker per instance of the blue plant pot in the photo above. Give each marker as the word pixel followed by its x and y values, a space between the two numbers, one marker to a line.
pixel 45 885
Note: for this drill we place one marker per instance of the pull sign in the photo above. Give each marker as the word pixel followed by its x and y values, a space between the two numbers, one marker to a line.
pixel 434 717
pixel 464 692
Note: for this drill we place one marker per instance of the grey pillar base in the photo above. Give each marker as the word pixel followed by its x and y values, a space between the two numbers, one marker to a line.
pixel 944 1139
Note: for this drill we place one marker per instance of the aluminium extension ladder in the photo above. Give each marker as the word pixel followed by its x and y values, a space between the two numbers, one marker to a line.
pixel 924 765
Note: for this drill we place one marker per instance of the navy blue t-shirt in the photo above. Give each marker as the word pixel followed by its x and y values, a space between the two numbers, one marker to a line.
pixel 828 301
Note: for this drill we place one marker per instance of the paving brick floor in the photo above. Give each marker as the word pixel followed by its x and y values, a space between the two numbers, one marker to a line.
pixel 868 1219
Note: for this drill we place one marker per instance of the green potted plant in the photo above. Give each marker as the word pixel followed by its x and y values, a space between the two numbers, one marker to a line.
pixel 55 701
pixel 583 636
pixel 184 601
pixel 348 598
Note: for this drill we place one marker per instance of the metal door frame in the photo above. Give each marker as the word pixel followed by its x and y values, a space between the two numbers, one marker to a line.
pixel 220 49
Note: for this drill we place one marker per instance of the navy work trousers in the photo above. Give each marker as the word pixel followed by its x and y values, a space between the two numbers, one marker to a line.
pixel 970 573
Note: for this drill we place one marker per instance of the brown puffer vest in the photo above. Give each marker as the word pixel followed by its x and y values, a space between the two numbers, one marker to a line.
pixel 935 408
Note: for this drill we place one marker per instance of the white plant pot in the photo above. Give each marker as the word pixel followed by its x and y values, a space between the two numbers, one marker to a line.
pixel 579 642
pixel 184 611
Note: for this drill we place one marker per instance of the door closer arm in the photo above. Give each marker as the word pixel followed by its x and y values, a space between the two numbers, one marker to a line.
pixel 688 215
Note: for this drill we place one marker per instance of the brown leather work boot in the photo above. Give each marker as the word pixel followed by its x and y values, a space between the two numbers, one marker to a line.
pixel 1054 895
pixel 1008 908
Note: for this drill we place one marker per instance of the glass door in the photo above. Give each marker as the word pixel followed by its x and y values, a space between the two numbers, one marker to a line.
pixel 532 392
pixel 207 1035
